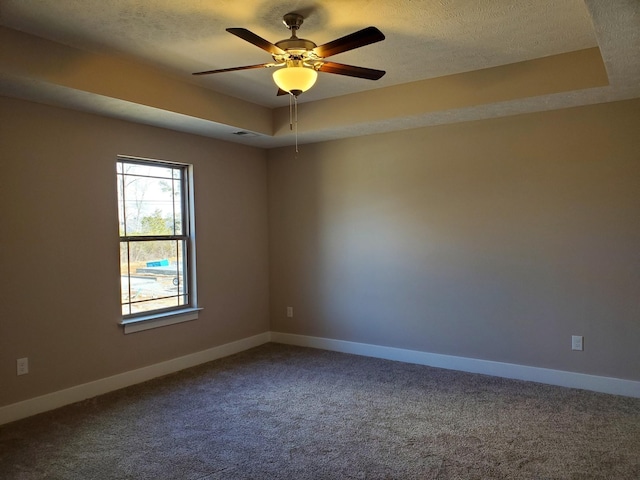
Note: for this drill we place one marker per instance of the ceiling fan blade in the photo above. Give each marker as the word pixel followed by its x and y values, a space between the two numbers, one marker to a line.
pixel 358 39
pixel 282 92
pixel 351 71
pixel 233 69
pixel 258 41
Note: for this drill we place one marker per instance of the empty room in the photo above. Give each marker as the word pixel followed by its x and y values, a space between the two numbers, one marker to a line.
pixel 330 239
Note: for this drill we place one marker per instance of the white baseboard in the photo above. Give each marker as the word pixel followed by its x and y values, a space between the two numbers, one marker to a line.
pixel 61 398
pixel 561 378
pixel 616 386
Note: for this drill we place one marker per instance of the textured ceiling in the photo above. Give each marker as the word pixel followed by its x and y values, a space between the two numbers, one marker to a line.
pixel 426 40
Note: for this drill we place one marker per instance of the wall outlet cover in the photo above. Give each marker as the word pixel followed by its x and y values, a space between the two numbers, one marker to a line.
pixel 576 342
pixel 22 365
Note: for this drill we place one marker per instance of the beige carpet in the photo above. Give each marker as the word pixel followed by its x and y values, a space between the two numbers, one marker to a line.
pixel 294 413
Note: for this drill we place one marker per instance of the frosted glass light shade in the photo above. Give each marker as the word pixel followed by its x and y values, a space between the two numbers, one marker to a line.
pixel 295 80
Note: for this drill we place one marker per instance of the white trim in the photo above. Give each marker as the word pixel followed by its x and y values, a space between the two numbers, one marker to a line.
pixel 139 324
pixel 616 386
pixel 61 398
pixel 561 378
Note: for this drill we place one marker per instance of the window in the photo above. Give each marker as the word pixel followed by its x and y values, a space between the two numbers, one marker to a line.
pixel 156 239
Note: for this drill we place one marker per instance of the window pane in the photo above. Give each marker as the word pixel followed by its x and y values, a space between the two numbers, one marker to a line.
pixel 148 170
pixel 150 200
pixel 180 281
pixel 151 206
pixel 156 275
pixel 121 212
pixel 178 225
pixel 125 292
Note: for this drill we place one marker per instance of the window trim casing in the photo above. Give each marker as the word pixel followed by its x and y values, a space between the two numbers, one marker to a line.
pixel 160 319
pixel 169 316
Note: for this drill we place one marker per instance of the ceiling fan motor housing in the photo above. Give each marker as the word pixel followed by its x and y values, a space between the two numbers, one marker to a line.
pixel 296 49
pixel 295 43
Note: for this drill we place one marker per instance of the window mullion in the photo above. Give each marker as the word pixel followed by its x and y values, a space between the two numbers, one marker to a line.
pixel 152 238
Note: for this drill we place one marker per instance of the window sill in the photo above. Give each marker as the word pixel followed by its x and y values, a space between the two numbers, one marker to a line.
pixel 148 322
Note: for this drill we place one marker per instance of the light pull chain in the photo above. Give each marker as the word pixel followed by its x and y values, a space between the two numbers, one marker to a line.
pixel 293 116
pixel 290 112
pixel 295 103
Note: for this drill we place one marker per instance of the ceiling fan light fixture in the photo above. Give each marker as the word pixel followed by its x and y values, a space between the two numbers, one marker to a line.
pixel 295 79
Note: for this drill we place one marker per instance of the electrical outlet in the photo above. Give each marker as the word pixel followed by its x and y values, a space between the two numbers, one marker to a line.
pixel 290 312
pixel 576 342
pixel 22 366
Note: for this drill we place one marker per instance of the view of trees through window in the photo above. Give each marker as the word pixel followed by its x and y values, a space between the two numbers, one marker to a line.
pixel 152 209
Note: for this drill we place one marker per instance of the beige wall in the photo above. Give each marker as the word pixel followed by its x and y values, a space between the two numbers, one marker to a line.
pixel 59 288
pixel 496 239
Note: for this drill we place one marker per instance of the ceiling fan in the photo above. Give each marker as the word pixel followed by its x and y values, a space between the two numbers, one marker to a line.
pixel 302 58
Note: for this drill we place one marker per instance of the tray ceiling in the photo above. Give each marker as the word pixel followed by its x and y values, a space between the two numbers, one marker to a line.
pixel 436 51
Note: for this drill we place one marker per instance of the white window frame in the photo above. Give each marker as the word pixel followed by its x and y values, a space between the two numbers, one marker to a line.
pixel 184 313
